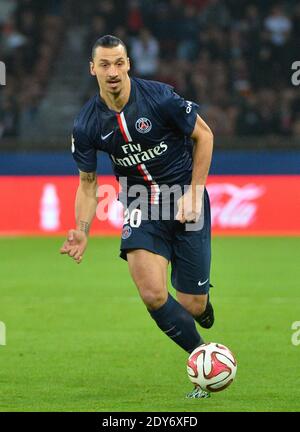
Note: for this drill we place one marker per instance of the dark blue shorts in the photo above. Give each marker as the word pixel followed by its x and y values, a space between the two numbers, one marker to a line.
pixel 188 251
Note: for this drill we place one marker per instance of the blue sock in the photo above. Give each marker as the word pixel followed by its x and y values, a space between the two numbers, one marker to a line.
pixel 177 323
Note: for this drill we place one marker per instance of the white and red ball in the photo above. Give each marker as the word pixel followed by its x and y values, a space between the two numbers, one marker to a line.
pixel 212 367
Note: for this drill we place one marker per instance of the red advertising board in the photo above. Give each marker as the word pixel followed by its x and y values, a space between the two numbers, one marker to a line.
pixel 240 205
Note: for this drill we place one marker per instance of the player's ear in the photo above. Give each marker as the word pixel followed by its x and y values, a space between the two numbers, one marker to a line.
pixel 128 64
pixel 92 70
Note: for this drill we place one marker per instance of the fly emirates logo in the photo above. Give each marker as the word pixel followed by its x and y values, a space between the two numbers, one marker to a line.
pixel 135 155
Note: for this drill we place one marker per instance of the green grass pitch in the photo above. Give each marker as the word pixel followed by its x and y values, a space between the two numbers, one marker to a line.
pixel 80 339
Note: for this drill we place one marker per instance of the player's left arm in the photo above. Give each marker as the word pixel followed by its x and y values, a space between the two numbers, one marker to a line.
pixel 190 204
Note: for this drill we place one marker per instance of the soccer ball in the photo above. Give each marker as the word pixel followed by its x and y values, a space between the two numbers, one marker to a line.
pixel 212 367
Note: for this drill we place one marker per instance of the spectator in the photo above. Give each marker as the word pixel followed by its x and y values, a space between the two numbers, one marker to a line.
pixel 279 25
pixel 134 17
pixel 296 127
pixel 187 31
pixel 215 14
pixel 97 28
pixel 249 121
pixel 296 23
pixel 144 53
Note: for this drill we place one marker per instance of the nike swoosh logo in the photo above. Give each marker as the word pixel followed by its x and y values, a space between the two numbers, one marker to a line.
pixel 106 136
pixel 202 283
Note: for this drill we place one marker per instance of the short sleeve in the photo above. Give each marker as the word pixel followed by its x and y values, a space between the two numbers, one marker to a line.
pixel 179 112
pixel 83 150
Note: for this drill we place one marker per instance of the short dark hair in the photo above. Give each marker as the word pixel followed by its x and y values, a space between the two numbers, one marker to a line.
pixel 107 41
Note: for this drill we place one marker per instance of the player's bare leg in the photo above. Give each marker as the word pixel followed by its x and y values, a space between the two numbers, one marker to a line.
pixel 199 306
pixel 149 272
pixel 195 304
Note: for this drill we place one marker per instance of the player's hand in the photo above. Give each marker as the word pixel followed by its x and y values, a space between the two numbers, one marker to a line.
pixel 190 205
pixel 75 245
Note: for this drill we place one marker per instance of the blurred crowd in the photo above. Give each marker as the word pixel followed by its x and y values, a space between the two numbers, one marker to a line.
pixel 30 32
pixel 234 58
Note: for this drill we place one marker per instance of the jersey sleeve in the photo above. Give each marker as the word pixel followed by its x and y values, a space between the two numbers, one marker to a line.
pixel 179 112
pixel 83 150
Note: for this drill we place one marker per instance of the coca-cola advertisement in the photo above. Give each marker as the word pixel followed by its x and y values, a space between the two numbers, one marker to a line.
pixel 240 205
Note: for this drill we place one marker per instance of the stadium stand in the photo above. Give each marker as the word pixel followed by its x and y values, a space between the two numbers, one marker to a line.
pixel 233 58
pixel 30 33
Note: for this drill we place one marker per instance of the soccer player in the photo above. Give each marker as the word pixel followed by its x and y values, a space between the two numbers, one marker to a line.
pixel 155 139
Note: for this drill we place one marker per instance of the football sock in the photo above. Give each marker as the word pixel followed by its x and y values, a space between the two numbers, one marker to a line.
pixel 178 324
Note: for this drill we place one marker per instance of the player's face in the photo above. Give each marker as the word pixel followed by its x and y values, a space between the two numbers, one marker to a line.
pixel 110 66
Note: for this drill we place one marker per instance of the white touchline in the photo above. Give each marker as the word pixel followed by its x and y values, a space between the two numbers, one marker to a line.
pixel 202 283
pixel 106 136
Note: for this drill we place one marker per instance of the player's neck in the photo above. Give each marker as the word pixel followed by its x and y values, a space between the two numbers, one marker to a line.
pixel 118 101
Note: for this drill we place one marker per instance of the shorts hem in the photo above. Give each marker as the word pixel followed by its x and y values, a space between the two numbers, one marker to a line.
pixel 200 291
pixel 123 252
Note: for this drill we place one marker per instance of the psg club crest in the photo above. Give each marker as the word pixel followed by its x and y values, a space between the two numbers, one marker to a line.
pixel 143 125
pixel 126 232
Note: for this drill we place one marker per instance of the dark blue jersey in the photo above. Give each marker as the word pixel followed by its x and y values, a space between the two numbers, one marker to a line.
pixel 148 141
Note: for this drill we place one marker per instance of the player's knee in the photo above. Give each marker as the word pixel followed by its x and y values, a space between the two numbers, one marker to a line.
pixel 198 309
pixel 153 299
pixel 195 305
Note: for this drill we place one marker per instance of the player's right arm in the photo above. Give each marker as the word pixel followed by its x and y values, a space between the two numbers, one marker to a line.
pixel 84 152
pixel 85 209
